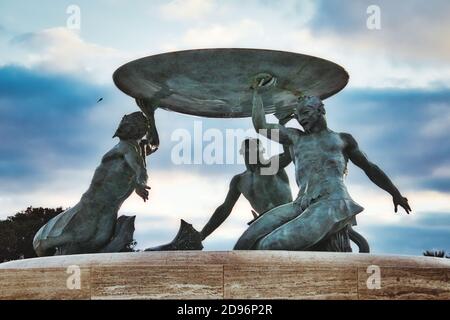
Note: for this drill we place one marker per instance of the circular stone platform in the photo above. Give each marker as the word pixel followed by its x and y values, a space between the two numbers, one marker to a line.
pixel 229 275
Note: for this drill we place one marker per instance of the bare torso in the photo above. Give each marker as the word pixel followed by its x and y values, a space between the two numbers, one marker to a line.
pixel 320 164
pixel 265 192
pixel 91 221
pixel 114 180
pixel 323 206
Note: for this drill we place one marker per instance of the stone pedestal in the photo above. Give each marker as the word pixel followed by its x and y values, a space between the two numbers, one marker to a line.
pixel 229 275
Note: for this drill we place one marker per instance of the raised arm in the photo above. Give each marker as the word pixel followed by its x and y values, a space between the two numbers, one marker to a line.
pixel 285 157
pixel 148 108
pixel 375 174
pixel 224 210
pixel 273 131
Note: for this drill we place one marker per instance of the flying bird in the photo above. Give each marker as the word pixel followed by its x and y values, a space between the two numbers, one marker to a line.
pixel 99 100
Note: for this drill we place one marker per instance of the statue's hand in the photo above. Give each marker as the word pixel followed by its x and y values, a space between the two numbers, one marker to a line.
pixel 142 191
pixel 263 80
pixel 153 143
pixel 148 148
pixel 401 201
pixel 152 149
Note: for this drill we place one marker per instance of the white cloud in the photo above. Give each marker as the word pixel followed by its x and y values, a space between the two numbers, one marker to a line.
pixel 438 121
pixel 219 35
pixel 186 9
pixel 442 172
pixel 379 209
pixel 368 65
pixel 206 24
pixel 62 50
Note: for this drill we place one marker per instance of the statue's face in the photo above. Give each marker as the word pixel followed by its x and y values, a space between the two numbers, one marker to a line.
pixel 309 112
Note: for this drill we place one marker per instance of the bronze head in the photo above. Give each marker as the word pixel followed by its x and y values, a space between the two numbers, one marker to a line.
pixel 309 111
pixel 252 150
pixel 133 126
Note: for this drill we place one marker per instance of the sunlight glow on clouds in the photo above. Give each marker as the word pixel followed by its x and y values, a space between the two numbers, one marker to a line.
pixel 396 105
pixel 217 35
pixel 187 9
pixel 62 50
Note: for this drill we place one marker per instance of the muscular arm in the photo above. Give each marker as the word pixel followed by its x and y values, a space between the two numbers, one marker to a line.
pixel 148 108
pixel 375 174
pixel 224 210
pixel 152 135
pixel 285 135
pixel 285 157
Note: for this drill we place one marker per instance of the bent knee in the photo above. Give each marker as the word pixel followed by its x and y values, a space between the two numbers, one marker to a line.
pixel 242 244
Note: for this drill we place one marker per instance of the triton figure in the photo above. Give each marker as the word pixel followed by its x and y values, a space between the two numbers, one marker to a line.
pixel 323 206
pixel 268 190
pixel 92 226
pixel 264 190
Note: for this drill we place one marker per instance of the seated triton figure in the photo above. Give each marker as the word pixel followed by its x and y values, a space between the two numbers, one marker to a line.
pixel 91 226
pixel 264 190
pixel 323 206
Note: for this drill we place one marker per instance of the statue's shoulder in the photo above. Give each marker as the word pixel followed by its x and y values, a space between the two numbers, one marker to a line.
pixel 113 153
pixel 125 146
pixel 295 131
pixel 348 139
pixel 237 178
pixel 118 151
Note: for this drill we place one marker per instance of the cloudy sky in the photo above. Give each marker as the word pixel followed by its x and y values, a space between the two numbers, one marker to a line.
pixel 397 105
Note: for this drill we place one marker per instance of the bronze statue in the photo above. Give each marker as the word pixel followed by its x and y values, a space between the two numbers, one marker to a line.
pixel 268 191
pixel 263 191
pixel 215 83
pixel 323 206
pixel 91 226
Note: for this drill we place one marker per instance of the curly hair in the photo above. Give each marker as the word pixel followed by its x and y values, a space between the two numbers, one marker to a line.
pixel 132 127
pixel 312 102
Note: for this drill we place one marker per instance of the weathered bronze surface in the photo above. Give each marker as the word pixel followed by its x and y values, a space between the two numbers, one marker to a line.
pixel 91 225
pixel 216 82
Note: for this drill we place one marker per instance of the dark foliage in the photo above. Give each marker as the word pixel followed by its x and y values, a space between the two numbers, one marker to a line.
pixel 17 232
pixel 435 253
